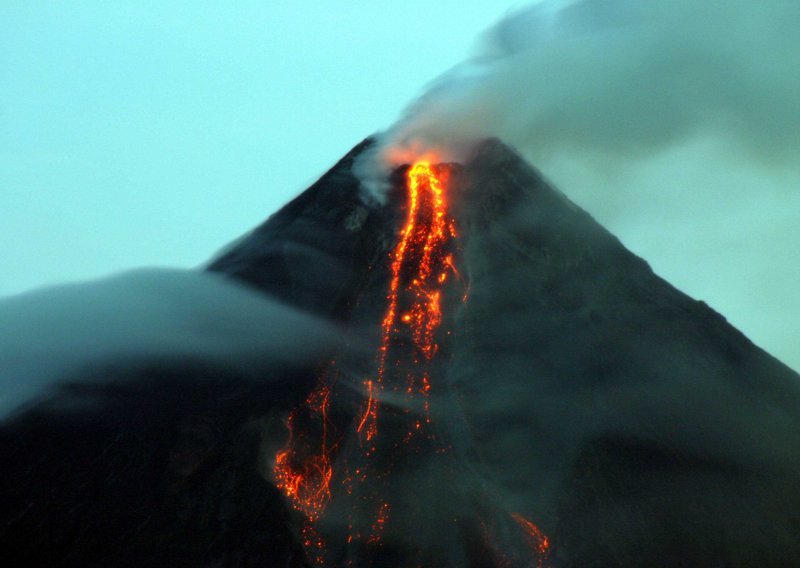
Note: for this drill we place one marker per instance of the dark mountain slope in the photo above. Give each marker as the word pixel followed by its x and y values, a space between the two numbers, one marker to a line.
pixel 632 424
pixel 635 423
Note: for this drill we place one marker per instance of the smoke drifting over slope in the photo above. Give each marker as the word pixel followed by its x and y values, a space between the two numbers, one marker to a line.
pixel 55 335
pixel 583 412
pixel 618 78
pixel 674 123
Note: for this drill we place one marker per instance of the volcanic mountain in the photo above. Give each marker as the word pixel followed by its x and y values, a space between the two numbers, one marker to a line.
pixel 510 386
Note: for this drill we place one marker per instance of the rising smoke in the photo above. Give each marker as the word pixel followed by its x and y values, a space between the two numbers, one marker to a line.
pixel 675 123
pixel 618 79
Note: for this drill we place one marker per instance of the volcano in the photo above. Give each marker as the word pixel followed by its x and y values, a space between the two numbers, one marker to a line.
pixel 511 387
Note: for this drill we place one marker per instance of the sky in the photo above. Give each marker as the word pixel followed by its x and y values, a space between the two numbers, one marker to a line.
pixel 152 133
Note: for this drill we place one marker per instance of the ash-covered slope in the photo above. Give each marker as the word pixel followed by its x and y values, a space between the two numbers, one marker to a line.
pixel 636 425
pixel 162 457
pixel 631 423
pixel 316 251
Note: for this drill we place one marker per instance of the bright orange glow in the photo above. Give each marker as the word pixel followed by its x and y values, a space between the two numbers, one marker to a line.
pixel 413 152
pixel 302 471
pixel 423 244
pixel 537 540
pixel 379 524
pixel 421 265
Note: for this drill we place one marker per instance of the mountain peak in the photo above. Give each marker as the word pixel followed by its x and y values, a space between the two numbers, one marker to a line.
pixel 578 410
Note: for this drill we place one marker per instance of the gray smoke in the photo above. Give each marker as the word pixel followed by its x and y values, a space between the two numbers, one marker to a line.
pixel 675 123
pixel 617 78
pixel 51 335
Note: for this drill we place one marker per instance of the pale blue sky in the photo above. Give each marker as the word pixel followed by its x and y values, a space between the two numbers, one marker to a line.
pixel 151 133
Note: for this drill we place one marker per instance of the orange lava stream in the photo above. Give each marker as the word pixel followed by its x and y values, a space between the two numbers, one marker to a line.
pixel 420 265
pixel 303 469
pixel 423 241
pixel 537 540
pixel 304 474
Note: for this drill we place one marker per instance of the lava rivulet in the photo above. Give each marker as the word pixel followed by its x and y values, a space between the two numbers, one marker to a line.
pixel 419 267
pixel 537 540
pixel 319 460
pixel 304 474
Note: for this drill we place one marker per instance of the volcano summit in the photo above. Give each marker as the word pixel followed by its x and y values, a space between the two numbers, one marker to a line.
pixel 508 385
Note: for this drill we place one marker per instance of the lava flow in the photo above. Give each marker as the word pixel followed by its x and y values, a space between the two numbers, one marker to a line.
pixel 537 540
pixel 422 252
pixel 420 266
pixel 305 475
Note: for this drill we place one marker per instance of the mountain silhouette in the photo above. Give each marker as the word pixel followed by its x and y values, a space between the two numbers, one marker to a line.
pixel 582 411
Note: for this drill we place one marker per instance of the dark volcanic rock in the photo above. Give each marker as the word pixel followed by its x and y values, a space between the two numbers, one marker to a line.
pixel 169 467
pixel 315 252
pixel 161 474
pixel 631 423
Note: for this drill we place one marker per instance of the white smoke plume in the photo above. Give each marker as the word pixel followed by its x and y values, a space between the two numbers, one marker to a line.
pixel 674 122
pixel 617 78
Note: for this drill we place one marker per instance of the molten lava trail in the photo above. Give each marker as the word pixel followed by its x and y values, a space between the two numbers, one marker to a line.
pixel 537 540
pixel 420 266
pixel 419 269
pixel 306 481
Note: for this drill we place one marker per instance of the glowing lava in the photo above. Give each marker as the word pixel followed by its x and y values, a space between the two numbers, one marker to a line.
pixel 420 265
pixel 302 470
pixel 537 540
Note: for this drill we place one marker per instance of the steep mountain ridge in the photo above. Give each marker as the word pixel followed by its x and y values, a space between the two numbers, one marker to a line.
pixel 574 389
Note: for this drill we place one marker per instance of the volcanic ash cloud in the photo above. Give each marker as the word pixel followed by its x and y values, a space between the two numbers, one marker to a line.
pixel 615 79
